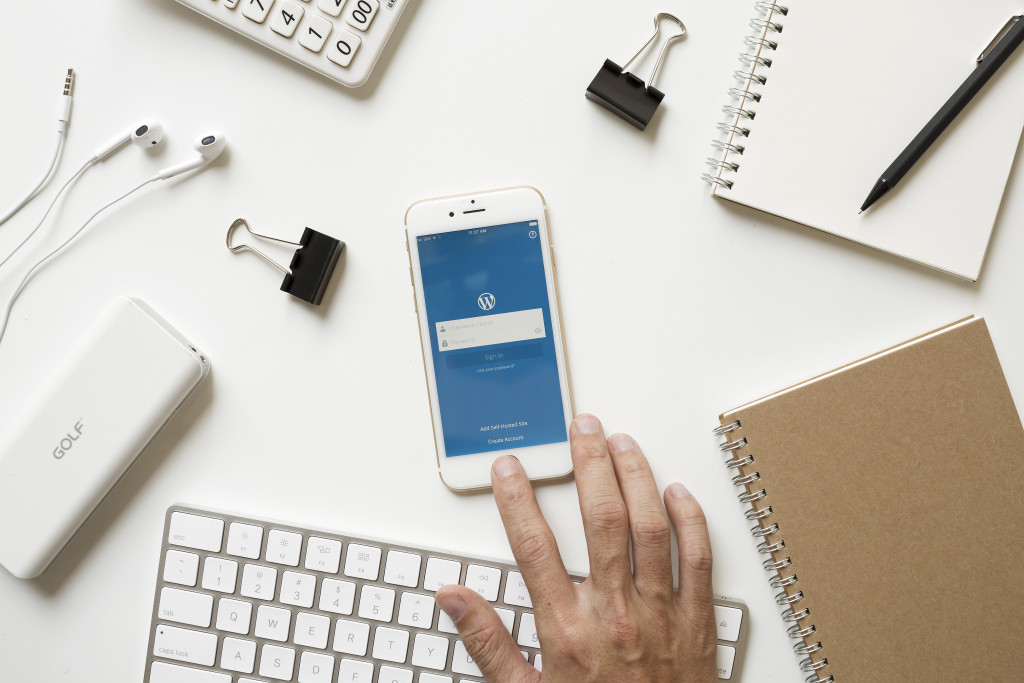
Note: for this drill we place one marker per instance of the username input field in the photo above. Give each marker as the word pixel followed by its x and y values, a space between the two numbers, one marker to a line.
pixel 484 330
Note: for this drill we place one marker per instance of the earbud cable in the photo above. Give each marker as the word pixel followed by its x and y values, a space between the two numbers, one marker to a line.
pixel 57 154
pixel 41 262
pixel 66 185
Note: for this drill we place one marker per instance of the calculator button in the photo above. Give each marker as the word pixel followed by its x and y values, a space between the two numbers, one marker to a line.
pixel 315 34
pixel 286 19
pixel 361 12
pixel 343 48
pixel 181 568
pixel 725 657
pixel 332 7
pixel 245 540
pixel 257 10
pixel 284 547
pixel 728 621
pixel 484 580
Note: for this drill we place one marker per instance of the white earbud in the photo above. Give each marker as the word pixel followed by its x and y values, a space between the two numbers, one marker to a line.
pixel 208 146
pixel 145 134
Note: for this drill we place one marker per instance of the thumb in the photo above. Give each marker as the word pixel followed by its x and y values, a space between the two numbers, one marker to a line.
pixel 487 641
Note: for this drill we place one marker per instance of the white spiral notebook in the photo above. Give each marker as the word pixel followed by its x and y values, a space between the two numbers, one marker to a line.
pixel 829 93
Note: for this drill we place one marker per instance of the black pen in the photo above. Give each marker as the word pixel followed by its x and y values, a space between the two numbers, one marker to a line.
pixel 1007 40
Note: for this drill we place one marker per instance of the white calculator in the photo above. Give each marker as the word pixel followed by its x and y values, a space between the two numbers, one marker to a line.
pixel 340 39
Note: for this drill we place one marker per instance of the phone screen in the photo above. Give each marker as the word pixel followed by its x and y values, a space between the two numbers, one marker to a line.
pixel 491 338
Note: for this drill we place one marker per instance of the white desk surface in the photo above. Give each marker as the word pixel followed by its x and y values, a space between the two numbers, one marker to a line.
pixel 676 306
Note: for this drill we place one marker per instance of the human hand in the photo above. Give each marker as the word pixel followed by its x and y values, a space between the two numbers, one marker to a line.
pixel 623 623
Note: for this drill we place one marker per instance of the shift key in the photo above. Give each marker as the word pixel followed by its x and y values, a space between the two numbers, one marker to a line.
pixel 185 645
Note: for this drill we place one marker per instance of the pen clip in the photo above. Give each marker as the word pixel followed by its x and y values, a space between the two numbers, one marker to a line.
pixel 999 36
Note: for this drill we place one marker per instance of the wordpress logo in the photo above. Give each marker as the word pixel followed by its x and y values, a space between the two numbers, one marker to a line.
pixel 485 301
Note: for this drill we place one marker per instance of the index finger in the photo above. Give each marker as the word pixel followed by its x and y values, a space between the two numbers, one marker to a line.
pixel 530 537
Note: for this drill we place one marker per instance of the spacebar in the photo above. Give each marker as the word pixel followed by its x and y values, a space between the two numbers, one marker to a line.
pixel 162 672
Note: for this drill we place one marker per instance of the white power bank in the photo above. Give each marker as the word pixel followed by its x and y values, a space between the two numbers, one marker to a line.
pixel 85 426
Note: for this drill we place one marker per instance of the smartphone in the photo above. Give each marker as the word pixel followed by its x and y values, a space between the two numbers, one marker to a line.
pixel 483 277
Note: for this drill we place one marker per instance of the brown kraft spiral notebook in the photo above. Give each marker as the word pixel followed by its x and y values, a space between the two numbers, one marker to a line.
pixel 887 501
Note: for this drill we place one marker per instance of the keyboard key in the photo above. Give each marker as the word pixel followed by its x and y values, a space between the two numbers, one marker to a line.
pixel 416 610
pixel 462 663
pixel 312 630
pixel 515 590
pixel 337 596
pixel 231 4
pixel 194 531
pixel 284 547
pixel 257 10
pixel 351 671
pixel 434 678
pixel 233 616
pixel 332 7
pixel 430 651
pixel 527 631
pixel 259 582
pixel 323 555
pixel 362 562
pixel 272 623
pixel 390 644
pixel 185 607
pixel 219 575
pixel 316 668
pixel 445 623
pixel 315 34
pixel 402 569
pixel 728 620
pixel 725 657
pixel 343 48
pixel 286 19
pixel 181 568
pixel 162 672
pixel 360 13
pixel 392 674
pixel 297 589
pixel 185 645
pixel 537 663
pixel 245 540
pixel 238 655
pixel 376 603
pixel 484 580
pixel 277 662
pixel 507 616
pixel 350 637
pixel 441 573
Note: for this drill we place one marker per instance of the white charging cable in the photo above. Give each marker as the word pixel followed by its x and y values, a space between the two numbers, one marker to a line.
pixel 62 126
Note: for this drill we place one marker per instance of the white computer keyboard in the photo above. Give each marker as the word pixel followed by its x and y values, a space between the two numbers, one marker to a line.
pixel 241 600
pixel 340 39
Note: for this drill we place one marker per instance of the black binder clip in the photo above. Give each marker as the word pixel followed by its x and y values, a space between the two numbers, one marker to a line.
pixel 627 95
pixel 311 267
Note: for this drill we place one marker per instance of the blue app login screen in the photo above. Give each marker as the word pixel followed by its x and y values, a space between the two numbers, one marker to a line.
pixel 491 339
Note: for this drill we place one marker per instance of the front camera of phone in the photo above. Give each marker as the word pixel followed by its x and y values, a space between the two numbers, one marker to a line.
pixel 451 214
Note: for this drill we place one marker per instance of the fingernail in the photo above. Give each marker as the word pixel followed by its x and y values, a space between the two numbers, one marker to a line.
pixel 453 606
pixel 621 442
pixel 677 490
pixel 505 466
pixel 587 424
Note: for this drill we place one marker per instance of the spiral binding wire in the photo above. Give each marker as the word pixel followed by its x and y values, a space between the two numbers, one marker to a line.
pixel 786 596
pixel 767 25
